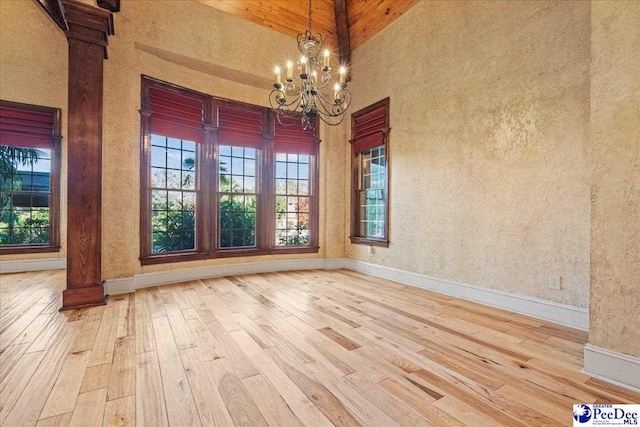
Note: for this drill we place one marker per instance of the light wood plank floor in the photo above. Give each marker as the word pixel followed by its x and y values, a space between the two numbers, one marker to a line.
pixel 311 348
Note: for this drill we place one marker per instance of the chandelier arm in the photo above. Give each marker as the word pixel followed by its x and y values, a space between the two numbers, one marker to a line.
pixel 331 108
pixel 277 105
pixel 332 122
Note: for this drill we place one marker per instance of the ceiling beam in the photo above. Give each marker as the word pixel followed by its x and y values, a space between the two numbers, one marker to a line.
pixel 55 10
pixel 110 5
pixel 342 31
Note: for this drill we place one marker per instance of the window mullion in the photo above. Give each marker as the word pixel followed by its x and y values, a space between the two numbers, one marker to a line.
pixel 205 223
pixel 267 214
pixel 211 186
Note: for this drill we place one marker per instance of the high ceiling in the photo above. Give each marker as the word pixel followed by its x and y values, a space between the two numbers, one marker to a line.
pixel 365 17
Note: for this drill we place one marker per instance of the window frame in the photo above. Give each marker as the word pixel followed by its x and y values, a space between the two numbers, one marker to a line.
pixel 355 236
pixel 54 183
pixel 207 226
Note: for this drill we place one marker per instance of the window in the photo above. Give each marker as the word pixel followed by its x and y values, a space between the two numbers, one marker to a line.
pixel 237 197
pixel 370 177
pixel 29 178
pixel 295 172
pixel 173 194
pixel 212 178
pixel 292 199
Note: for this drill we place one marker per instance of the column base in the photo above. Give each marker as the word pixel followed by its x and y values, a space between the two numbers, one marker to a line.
pixel 90 296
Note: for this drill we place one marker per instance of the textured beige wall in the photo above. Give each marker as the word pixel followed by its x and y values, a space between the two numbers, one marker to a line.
pixel 489 143
pixel 33 70
pixel 201 33
pixel 615 174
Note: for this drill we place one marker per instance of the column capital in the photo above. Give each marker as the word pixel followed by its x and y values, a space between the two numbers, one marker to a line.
pixel 88 24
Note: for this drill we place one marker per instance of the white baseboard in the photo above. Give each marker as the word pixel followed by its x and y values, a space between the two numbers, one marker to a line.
pixel 335 263
pixel 613 367
pixel 575 317
pixel 19 266
pixel 130 284
pixel 568 315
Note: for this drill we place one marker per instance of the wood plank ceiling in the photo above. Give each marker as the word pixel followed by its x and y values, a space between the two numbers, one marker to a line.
pixel 365 17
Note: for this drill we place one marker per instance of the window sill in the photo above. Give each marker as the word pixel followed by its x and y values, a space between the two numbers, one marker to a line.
pixel 369 241
pixel 12 250
pixel 225 253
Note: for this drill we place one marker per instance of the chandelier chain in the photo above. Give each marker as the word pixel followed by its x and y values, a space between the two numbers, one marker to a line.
pixel 310 11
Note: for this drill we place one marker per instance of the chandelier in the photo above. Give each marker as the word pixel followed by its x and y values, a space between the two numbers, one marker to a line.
pixel 311 95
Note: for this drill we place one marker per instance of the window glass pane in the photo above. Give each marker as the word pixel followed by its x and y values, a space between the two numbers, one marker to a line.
pixel 158 140
pixel 372 183
pixel 188 180
pixel 303 187
pixel 292 211
pixel 292 170
pixel 237 166
pixel 173 198
pixel 225 150
pixel 237 198
pixel 158 157
pixel 174 159
pixel 25 196
pixel 281 170
pixel 174 143
pixel 250 167
pixel 188 146
pixel 174 179
pixel 237 152
pixel 158 177
pixel 249 184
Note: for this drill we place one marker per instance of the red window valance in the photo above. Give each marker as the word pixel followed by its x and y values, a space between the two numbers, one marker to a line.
pixel 26 128
pixel 291 138
pixel 370 128
pixel 240 126
pixel 176 115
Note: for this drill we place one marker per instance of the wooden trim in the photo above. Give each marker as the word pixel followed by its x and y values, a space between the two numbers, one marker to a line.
pixel 145 170
pixel 55 172
pixel 207 179
pixel 89 28
pixel 55 11
pixel 342 31
pixel 86 296
pixel 207 227
pixel 110 5
pixel 11 250
pixel 356 240
pixel 174 257
pixel 355 236
pixel 88 24
pixel 269 179
pixel 282 250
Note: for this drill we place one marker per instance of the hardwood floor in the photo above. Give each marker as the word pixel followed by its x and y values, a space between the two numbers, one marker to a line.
pixel 311 348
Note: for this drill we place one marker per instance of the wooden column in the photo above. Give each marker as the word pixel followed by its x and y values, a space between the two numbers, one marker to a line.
pixel 89 28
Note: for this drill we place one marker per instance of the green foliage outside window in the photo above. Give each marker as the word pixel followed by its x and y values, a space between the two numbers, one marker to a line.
pixel 25 223
pixel 174 224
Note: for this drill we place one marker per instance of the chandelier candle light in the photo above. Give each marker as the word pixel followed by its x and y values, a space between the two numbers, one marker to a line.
pixel 306 97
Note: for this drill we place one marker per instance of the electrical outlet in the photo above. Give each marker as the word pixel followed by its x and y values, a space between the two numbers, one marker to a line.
pixel 371 251
pixel 555 282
